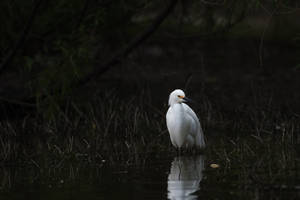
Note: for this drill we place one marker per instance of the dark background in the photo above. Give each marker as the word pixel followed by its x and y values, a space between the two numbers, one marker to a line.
pixel 84 86
pixel 224 50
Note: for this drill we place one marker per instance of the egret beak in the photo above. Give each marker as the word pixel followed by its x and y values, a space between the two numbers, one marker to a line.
pixel 187 99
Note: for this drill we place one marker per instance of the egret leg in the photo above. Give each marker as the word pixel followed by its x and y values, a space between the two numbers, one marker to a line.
pixel 179 151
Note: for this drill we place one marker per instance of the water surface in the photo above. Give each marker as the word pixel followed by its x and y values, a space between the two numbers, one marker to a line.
pixel 163 177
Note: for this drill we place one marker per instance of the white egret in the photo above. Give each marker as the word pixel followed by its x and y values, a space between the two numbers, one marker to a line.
pixel 182 122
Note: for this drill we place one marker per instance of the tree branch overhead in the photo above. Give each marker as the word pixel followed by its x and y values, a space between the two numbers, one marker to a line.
pixel 119 55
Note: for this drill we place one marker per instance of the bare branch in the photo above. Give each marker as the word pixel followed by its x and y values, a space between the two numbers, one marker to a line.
pixel 21 39
pixel 120 55
pixel 17 102
pixel 82 13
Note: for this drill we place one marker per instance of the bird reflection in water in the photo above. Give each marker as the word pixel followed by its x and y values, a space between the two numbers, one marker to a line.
pixel 184 177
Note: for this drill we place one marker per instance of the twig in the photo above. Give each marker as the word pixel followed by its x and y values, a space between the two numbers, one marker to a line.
pixel 187 81
pixel 21 39
pixel 229 25
pixel 215 3
pixel 82 13
pixel 120 55
pixel 261 45
pixel 17 102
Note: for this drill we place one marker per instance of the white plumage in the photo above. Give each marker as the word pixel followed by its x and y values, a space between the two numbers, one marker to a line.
pixel 182 122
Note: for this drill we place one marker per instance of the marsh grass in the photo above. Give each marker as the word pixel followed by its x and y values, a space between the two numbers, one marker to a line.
pixel 250 167
pixel 105 128
pixel 254 144
pixel 258 162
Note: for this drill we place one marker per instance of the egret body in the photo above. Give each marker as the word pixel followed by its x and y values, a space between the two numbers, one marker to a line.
pixel 182 122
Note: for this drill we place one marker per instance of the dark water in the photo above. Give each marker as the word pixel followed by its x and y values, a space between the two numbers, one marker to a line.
pixel 178 177
pixel 173 179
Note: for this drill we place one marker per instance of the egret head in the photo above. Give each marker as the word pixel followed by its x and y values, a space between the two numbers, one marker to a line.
pixel 177 96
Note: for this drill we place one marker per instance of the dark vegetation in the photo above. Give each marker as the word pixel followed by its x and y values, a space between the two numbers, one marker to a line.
pixel 86 83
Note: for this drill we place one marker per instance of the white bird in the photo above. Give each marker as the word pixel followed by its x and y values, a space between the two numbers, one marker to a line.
pixel 182 122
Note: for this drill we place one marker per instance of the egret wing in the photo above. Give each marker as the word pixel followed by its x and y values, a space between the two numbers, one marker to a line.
pixel 194 121
pixel 195 127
